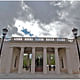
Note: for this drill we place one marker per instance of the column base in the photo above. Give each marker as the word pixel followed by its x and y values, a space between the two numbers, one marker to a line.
pixel 57 72
pixel 32 72
pixel 19 72
pixel 69 72
pixel 45 72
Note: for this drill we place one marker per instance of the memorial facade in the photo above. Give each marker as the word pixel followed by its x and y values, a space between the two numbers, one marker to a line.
pixel 39 54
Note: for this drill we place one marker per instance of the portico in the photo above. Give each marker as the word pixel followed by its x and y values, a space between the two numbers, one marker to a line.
pixel 44 55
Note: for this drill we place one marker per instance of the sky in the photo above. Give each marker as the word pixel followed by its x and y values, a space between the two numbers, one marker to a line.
pixel 40 18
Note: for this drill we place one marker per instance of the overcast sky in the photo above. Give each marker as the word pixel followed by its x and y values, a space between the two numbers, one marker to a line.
pixel 40 18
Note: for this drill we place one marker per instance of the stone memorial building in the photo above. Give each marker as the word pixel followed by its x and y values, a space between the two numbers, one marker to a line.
pixel 39 54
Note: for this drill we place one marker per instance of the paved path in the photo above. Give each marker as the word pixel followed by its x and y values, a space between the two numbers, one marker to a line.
pixel 39 76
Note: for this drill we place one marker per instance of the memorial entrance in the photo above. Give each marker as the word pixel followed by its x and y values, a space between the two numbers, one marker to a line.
pixel 39 60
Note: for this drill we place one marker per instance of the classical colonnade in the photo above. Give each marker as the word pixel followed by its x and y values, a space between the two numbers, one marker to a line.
pixel 57 64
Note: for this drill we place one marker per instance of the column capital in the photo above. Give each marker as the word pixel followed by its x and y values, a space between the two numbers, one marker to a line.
pixel 67 47
pixel 21 47
pixel 11 47
pixel 33 47
pixel 56 47
pixel 44 47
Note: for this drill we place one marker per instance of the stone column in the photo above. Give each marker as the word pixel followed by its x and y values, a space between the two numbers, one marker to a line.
pixel 8 67
pixel 57 66
pixel 33 60
pixel 64 61
pixel 44 60
pixel 68 57
pixel 20 68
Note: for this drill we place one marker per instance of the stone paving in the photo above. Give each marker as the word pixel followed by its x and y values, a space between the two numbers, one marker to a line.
pixel 39 76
